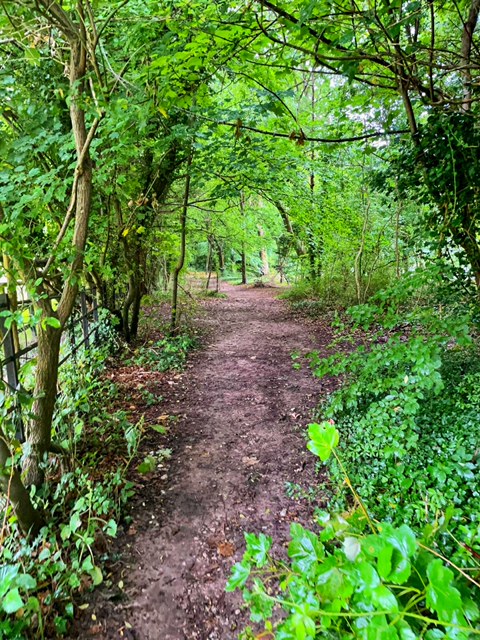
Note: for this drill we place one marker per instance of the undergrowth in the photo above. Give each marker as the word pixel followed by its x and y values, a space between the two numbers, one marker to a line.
pixel 85 491
pixel 397 556
pixel 354 577
pixel 320 294
pixel 409 418
pixel 167 354
pixel 83 496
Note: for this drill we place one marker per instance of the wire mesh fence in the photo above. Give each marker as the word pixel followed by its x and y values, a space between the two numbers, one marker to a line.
pixel 19 344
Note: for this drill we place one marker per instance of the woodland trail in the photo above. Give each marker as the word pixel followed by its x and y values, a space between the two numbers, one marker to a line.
pixel 239 438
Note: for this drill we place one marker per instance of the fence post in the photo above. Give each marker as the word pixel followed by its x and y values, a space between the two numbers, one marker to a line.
pixel 11 367
pixel 83 305
pixel 95 313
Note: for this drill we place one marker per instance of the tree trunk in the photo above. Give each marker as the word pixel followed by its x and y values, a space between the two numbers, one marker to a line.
pixel 297 244
pixel 221 257
pixel 135 311
pixel 39 429
pixel 358 268
pixel 208 268
pixel 183 242
pixel 472 251
pixel 29 519
pixel 244 265
pixel 126 308
pixel 263 254
pixel 243 254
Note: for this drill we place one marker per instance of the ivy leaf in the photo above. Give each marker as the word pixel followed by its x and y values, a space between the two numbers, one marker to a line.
pixel 239 576
pixel 75 521
pixel 111 528
pixel 323 439
pixel 96 575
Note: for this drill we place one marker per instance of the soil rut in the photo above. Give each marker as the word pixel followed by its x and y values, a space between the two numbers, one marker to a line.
pixel 239 438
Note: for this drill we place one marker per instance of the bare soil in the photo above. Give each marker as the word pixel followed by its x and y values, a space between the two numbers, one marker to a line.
pixel 238 437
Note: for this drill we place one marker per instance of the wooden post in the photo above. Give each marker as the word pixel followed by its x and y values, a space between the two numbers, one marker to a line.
pixel 95 313
pixel 83 305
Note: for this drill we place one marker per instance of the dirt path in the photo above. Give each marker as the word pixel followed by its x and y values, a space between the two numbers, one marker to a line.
pixel 239 438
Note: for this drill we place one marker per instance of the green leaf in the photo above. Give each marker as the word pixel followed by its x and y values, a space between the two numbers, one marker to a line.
pixel 305 548
pixel 44 554
pixel 75 521
pixel 32 56
pixel 304 626
pixel 96 575
pixel 65 532
pixel 8 573
pixel 148 465
pixel 159 428
pixel 442 596
pixel 111 528
pixel 323 439
pixel 367 577
pixel 51 322
pixel 376 628
pixel 258 548
pixel 383 598
pixel 393 549
pixel 238 577
pixel 333 583
pixel 12 601
pixel 351 548
pixel 25 581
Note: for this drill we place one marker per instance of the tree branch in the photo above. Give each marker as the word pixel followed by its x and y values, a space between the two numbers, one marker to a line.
pixel 300 138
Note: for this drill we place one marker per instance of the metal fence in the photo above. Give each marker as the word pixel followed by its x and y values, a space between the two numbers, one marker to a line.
pixel 19 345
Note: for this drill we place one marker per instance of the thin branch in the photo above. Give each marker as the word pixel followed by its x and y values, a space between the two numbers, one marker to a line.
pixel 300 138
pixel 73 198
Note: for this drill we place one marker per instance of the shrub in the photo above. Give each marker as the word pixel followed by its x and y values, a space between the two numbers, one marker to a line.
pixel 354 578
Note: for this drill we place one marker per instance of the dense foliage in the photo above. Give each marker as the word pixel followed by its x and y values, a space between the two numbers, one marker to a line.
pixel 332 146
pixel 357 578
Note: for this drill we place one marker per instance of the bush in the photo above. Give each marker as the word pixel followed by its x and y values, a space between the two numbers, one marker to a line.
pixel 83 497
pixel 400 438
pixel 409 418
pixel 355 578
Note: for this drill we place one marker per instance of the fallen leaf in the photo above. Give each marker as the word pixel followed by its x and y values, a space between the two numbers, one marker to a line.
pixel 250 462
pixel 95 630
pixel 226 549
